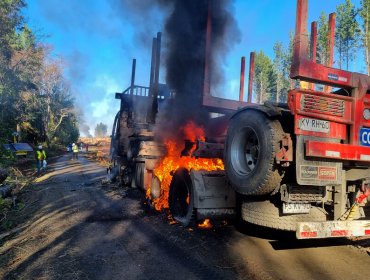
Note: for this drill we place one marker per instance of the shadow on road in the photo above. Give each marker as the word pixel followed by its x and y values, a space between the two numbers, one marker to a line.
pixel 80 231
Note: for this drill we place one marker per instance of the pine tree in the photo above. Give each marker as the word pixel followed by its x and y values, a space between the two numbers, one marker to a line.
pixel 264 78
pixel 281 65
pixel 322 39
pixel 365 34
pixel 347 33
pixel 278 67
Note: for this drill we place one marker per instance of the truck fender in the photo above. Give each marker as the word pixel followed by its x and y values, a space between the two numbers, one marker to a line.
pixel 272 111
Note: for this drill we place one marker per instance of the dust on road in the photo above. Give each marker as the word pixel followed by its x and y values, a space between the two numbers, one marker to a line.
pixel 80 229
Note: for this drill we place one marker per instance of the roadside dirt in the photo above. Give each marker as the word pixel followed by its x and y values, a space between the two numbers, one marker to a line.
pixel 78 228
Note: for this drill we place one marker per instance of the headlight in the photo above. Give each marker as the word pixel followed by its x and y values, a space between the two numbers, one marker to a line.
pixel 366 114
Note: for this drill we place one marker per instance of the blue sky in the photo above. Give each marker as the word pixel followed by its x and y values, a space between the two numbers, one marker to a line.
pixel 99 38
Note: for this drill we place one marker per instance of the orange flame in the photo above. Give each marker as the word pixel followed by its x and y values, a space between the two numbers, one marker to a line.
pixel 173 161
pixel 193 132
pixel 206 224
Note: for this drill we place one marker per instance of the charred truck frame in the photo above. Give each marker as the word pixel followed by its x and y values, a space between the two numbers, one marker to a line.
pixel 301 166
pixel 133 151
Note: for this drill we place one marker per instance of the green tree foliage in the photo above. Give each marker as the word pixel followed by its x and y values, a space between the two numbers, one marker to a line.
pixel 281 66
pixel 272 81
pixel 347 33
pixel 68 131
pixel 365 34
pixel 278 69
pixel 265 81
pixel 10 21
pixel 34 96
pixel 54 99
pixel 322 39
pixel 101 130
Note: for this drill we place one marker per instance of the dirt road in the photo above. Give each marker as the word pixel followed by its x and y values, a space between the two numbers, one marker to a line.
pixel 80 229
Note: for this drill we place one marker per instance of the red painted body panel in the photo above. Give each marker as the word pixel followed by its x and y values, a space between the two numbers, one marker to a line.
pixel 313 46
pixel 323 105
pixel 337 151
pixel 345 113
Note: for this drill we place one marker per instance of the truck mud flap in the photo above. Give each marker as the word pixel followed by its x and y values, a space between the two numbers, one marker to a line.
pixel 314 172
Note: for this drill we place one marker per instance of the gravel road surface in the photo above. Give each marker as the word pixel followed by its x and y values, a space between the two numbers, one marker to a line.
pixel 80 228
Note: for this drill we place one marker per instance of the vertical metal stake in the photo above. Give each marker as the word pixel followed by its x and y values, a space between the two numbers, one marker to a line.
pixel 340 197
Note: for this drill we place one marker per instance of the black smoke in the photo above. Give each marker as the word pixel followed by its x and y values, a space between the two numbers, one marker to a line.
pixel 185 43
pixel 183 52
pixel 146 16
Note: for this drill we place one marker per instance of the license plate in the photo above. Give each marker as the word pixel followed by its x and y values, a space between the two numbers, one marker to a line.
pixel 294 208
pixel 314 125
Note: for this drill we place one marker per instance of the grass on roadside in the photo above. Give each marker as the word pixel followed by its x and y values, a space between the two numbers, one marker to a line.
pixel 14 210
pixel 11 206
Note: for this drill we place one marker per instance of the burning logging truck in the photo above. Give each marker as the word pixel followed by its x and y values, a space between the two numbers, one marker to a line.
pixel 299 166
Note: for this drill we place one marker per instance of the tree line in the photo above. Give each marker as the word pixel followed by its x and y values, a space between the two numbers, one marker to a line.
pixel 352 39
pixel 35 99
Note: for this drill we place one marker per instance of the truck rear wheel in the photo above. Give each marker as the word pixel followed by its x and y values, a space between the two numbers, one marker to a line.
pixel 251 144
pixel 265 213
pixel 181 197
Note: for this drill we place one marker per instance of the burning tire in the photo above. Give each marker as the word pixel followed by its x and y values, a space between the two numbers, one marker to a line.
pixel 251 143
pixel 181 197
pixel 265 213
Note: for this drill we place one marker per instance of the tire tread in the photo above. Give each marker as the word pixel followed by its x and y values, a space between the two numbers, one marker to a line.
pixel 255 184
pixel 265 213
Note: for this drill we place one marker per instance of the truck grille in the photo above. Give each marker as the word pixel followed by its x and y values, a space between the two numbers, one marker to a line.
pixel 323 105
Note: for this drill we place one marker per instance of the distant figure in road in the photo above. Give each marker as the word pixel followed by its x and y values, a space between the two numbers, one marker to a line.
pixel 40 156
pixel 87 147
pixel 74 151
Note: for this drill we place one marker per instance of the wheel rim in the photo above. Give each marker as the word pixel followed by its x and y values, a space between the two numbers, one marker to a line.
pixel 245 150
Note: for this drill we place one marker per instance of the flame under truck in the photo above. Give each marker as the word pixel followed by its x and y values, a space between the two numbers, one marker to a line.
pixel 299 166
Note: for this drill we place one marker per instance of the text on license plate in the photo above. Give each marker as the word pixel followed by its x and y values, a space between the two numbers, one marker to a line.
pixel 293 208
pixel 314 125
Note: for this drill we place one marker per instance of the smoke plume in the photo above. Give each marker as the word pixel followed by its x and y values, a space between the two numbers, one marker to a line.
pixel 185 40
pixel 183 52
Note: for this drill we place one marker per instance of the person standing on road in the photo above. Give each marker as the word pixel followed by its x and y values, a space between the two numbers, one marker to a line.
pixel 40 156
pixel 74 151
